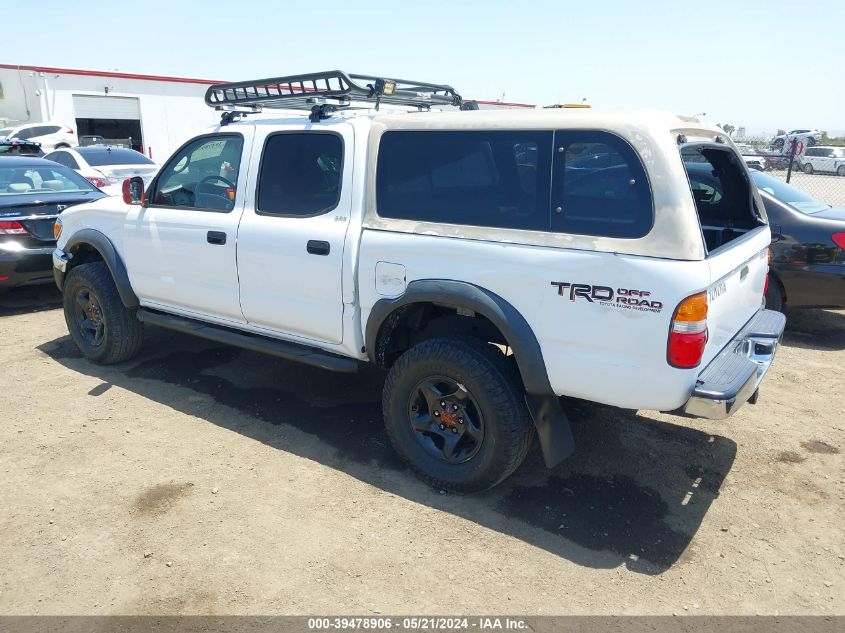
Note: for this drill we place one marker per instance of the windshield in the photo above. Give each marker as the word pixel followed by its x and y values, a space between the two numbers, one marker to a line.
pixel 5 132
pixel 15 181
pixel 114 156
pixel 803 202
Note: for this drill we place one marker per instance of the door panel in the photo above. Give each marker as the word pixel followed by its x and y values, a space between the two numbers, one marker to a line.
pixel 180 249
pixel 291 236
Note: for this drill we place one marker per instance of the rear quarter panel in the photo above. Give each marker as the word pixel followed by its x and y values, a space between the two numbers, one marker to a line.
pixel 605 351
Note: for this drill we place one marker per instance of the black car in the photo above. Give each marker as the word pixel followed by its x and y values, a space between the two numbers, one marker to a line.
pixel 808 254
pixel 33 192
pixel 17 147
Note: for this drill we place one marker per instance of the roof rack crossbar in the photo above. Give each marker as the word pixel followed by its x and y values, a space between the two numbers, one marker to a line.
pixel 333 86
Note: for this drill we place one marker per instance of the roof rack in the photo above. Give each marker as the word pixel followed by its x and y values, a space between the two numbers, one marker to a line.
pixel 325 92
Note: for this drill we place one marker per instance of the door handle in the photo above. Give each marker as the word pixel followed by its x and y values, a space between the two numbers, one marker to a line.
pixel 216 237
pixel 318 247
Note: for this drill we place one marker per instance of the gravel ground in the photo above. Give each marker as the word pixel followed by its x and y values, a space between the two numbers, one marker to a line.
pixel 200 479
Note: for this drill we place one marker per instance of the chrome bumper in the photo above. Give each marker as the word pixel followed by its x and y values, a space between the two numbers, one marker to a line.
pixel 732 378
pixel 60 260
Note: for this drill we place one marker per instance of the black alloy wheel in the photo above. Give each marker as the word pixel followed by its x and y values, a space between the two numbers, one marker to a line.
pixel 446 420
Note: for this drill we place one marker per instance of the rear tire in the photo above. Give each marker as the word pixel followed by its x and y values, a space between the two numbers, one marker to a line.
pixel 462 393
pixel 774 295
pixel 808 169
pixel 104 330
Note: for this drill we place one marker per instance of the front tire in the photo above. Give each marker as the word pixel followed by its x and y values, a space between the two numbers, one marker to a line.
pixel 840 171
pixel 808 169
pixel 455 411
pixel 104 330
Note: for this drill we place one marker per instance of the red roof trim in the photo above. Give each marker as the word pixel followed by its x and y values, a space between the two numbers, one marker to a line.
pixel 178 80
pixel 114 74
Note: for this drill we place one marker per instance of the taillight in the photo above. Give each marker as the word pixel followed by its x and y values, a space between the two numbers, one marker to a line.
pixel 839 239
pixel 97 181
pixel 12 228
pixel 688 333
pixel 766 285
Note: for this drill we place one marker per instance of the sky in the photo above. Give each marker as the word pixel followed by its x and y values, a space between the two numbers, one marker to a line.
pixel 763 64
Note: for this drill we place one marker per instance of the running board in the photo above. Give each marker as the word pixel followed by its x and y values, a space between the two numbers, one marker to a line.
pixel 253 342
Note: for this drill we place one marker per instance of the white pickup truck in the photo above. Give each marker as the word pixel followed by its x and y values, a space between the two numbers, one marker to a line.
pixel 492 261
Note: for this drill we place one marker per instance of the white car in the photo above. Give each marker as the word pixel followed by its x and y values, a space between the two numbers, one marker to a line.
pixel 51 135
pixel 751 157
pixel 823 159
pixel 427 243
pixel 106 167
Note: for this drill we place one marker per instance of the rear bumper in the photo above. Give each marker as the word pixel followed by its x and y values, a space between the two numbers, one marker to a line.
pixel 24 266
pixel 733 377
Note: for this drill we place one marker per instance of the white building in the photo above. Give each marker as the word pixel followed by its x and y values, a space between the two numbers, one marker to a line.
pixel 157 113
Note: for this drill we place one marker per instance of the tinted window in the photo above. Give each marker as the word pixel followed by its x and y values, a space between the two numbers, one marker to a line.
pixel 49 129
pixel 5 132
pixel 607 196
pixel 113 156
pixel 63 158
pixel 480 178
pixel 784 192
pixel 300 174
pixel 25 133
pixel 201 175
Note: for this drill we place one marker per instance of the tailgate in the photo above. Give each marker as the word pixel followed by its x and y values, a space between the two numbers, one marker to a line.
pixel 737 280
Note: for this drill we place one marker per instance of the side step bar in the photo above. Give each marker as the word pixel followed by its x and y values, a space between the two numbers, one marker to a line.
pixel 253 342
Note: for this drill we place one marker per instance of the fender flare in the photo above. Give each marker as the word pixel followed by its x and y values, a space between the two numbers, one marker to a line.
pixel 550 421
pixel 100 243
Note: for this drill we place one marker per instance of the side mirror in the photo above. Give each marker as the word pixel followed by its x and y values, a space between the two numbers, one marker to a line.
pixel 133 190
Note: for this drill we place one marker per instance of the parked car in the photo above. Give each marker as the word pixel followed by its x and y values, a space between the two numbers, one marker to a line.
pixel 428 242
pixel 106 167
pixel 810 137
pixel 33 192
pixel 50 135
pixel 753 159
pixel 823 159
pixel 808 263
pixel 20 148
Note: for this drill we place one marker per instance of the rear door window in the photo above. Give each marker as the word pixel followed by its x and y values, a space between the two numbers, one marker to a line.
pixel 478 178
pixel 300 174
pixel 599 187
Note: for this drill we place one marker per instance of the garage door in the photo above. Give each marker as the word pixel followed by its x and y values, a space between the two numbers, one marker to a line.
pixel 93 107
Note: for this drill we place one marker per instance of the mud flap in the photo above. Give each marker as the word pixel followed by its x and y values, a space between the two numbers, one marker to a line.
pixel 553 428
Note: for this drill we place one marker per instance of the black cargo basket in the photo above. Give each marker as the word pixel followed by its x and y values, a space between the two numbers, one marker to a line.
pixel 333 88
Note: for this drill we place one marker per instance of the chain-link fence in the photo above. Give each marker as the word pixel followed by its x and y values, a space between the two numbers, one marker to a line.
pixel 815 165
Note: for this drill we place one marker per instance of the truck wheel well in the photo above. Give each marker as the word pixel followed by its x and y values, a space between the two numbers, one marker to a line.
pixel 417 322
pixel 84 254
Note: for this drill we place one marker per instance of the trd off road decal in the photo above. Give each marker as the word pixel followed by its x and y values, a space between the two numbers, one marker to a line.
pixel 626 298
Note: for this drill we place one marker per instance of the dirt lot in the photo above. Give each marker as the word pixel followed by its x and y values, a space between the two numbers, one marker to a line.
pixel 203 479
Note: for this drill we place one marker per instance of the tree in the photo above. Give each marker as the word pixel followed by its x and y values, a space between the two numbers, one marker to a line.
pixel 727 127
